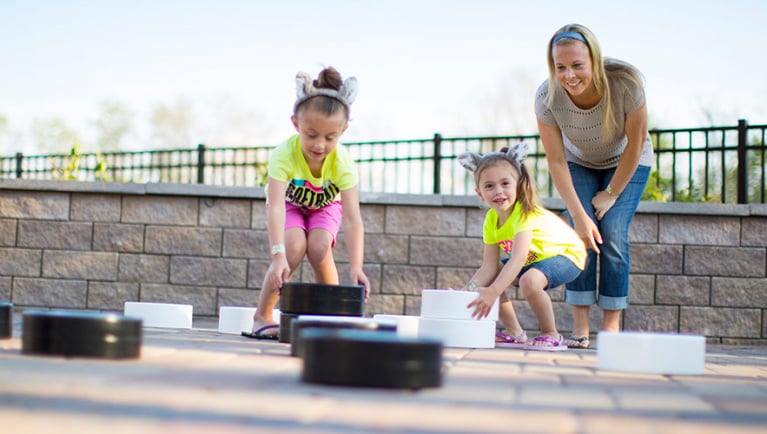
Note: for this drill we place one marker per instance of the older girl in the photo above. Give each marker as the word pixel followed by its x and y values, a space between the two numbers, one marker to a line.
pixel 312 188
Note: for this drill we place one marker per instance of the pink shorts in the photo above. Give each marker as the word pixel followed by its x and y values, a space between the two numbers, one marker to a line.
pixel 328 218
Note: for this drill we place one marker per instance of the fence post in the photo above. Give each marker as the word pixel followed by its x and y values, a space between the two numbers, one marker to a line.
pixel 19 163
pixel 437 161
pixel 742 161
pixel 201 163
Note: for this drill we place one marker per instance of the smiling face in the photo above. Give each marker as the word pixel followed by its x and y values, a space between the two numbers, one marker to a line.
pixel 319 133
pixel 497 187
pixel 575 72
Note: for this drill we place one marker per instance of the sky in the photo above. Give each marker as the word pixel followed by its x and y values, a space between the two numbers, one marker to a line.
pixel 459 68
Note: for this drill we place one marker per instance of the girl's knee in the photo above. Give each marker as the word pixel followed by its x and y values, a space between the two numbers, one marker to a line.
pixel 317 253
pixel 531 285
pixel 529 291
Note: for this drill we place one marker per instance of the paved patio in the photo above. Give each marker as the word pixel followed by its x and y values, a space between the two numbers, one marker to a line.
pixel 200 381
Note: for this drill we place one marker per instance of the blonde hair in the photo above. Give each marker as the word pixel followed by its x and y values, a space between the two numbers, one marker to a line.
pixel 526 195
pixel 604 70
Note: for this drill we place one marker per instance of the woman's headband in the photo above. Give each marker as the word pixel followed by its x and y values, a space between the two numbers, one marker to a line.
pixel 569 35
pixel 305 89
pixel 515 155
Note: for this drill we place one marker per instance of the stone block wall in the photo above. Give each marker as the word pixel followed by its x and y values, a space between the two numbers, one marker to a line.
pixel 696 268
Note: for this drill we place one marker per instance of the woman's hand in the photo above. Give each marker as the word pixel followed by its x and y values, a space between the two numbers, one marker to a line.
pixel 602 202
pixel 482 305
pixel 588 232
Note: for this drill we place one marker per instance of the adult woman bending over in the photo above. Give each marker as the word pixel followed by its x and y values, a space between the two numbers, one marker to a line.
pixel 592 121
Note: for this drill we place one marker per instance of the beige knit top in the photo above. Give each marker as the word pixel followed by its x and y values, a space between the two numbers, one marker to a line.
pixel 581 129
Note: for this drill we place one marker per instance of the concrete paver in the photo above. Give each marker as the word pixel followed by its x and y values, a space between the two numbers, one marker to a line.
pixel 198 380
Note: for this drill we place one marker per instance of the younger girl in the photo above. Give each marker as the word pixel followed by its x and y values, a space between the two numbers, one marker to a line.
pixel 525 244
pixel 312 188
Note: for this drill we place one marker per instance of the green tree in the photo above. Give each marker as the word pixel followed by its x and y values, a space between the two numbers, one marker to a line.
pixel 172 124
pixel 756 173
pixel 53 134
pixel 115 121
pixel 4 133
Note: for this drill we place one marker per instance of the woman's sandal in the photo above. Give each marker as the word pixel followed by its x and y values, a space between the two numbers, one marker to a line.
pixel 581 342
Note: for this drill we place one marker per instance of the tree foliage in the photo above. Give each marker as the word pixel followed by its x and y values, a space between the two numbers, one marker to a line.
pixel 114 123
pixel 53 134
pixel 172 124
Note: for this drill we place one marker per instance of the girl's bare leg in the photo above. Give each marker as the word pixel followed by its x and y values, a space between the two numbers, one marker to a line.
pixel 319 252
pixel 508 318
pixel 295 247
pixel 532 284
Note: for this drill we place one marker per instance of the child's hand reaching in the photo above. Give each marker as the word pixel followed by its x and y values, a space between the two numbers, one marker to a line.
pixel 483 303
pixel 279 271
pixel 359 278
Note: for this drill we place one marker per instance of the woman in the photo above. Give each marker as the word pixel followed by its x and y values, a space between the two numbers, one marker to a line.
pixel 592 120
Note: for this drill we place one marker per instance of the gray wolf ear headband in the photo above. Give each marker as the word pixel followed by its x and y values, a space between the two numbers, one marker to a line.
pixel 515 154
pixel 305 89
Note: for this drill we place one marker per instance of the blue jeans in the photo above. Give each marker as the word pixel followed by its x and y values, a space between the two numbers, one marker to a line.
pixel 615 257
pixel 557 269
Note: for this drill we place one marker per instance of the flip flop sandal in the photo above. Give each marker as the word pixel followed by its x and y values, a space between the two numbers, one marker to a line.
pixel 258 334
pixel 509 341
pixel 547 343
pixel 581 342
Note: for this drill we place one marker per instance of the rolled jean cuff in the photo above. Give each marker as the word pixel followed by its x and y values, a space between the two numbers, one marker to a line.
pixel 613 303
pixel 580 298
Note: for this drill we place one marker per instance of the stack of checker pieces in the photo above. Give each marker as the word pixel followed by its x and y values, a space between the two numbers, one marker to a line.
pixel 6 317
pixel 104 335
pixel 325 327
pixel 318 299
pixel 80 334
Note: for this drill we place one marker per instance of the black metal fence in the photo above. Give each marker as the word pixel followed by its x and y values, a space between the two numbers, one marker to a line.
pixel 710 164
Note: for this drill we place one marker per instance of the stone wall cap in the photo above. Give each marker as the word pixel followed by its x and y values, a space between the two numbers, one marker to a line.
pixel 553 203
pixel 371 198
pixel 468 200
pixel 205 190
pixel 717 209
pixel 461 200
pixel 759 209
pixel 72 186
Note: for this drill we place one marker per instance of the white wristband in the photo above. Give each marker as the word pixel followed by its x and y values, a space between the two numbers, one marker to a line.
pixel 278 248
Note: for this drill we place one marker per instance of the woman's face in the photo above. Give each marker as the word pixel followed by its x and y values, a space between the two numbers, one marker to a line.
pixel 572 63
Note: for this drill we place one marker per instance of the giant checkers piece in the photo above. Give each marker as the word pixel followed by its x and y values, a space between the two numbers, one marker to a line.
pixel 366 358
pixel 81 334
pixel 318 299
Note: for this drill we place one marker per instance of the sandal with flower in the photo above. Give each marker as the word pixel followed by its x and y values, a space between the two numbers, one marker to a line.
pixel 547 343
pixel 504 340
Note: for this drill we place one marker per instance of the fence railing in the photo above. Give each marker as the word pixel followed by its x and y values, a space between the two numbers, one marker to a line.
pixel 714 164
